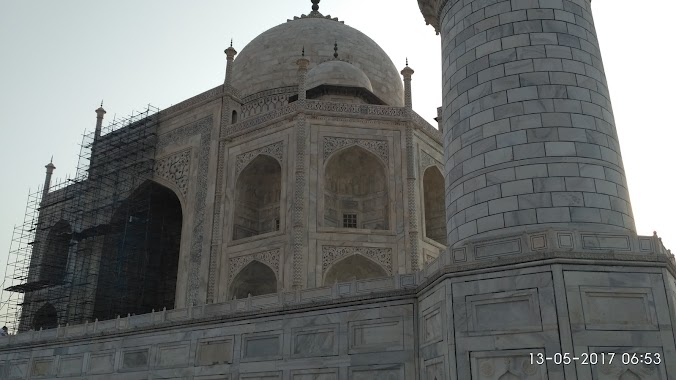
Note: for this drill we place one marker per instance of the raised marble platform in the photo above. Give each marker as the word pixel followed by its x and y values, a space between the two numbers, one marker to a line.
pixel 477 319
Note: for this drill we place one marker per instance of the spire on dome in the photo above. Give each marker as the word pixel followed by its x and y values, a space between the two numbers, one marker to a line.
pixel 335 50
pixel 315 6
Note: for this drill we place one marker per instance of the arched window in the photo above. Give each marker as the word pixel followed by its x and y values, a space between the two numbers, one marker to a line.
pixel 234 117
pixel 139 263
pixel 355 267
pixel 55 257
pixel 356 191
pixel 256 279
pixel 257 195
pixel 45 318
pixel 435 210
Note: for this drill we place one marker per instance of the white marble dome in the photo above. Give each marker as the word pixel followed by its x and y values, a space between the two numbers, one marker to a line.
pixel 269 60
pixel 337 73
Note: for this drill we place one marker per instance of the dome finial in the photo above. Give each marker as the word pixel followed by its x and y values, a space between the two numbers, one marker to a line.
pixel 303 52
pixel 335 50
pixel 315 5
pixel 231 42
pixel 406 61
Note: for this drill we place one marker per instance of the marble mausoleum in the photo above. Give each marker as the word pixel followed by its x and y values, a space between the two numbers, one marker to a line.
pixel 300 221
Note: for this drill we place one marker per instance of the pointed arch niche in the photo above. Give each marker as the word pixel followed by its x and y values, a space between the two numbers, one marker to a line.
pixel 256 279
pixel 354 267
pixel 257 198
pixel 54 263
pixel 356 190
pixel 46 317
pixel 140 259
pixel 435 209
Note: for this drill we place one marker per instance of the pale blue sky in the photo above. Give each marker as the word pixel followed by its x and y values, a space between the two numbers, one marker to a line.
pixel 58 59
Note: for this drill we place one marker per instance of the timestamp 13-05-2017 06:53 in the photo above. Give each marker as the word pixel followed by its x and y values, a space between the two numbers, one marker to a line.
pixel 596 358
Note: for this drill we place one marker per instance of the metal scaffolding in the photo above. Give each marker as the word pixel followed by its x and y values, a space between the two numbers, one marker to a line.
pixel 89 248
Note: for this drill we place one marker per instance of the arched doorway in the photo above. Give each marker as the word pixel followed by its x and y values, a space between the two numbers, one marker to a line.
pixel 45 318
pixel 435 210
pixel 139 262
pixel 356 191
pixel 355 267
pixel 256 279
pixel 54 263
pixel 257 196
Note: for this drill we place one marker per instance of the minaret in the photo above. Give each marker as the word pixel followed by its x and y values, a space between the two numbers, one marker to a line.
pixel 230 54
pixel 48 178
pixel 529 133
pixel 99 121
pixel 407 72
pixel 303 64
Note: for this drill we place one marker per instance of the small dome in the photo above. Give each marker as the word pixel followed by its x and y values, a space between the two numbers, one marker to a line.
pixel 337 73
pixel 269 61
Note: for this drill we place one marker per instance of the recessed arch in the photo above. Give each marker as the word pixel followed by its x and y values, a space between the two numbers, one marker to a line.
pixel 54 263
pixel 139 263
pixel 434 203
pixel 354 267
pixel 356 190
pixel 256 279
pixel 234 117
pixel 257 198
pixel 46 317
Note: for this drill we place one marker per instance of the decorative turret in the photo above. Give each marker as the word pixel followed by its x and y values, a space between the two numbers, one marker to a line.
pixel 407 72
pixel 99 121
pixel 48 178
pixel 303 64
pixel 230 54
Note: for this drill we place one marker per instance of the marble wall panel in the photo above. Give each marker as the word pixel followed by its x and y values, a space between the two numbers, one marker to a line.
pixel 499 320
pixel 262 346
pixel 435 369
pixel 600 306
pixel 316 341
pixel 214 351
pixel 70 365
pixel 18 369
pixel 315 374
pixel 380 372
pixel 386 334
pixel 518 311
pixel 172 355
pixel 41 367
pixel 432 329
pixel 135 359
pixel 101 362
